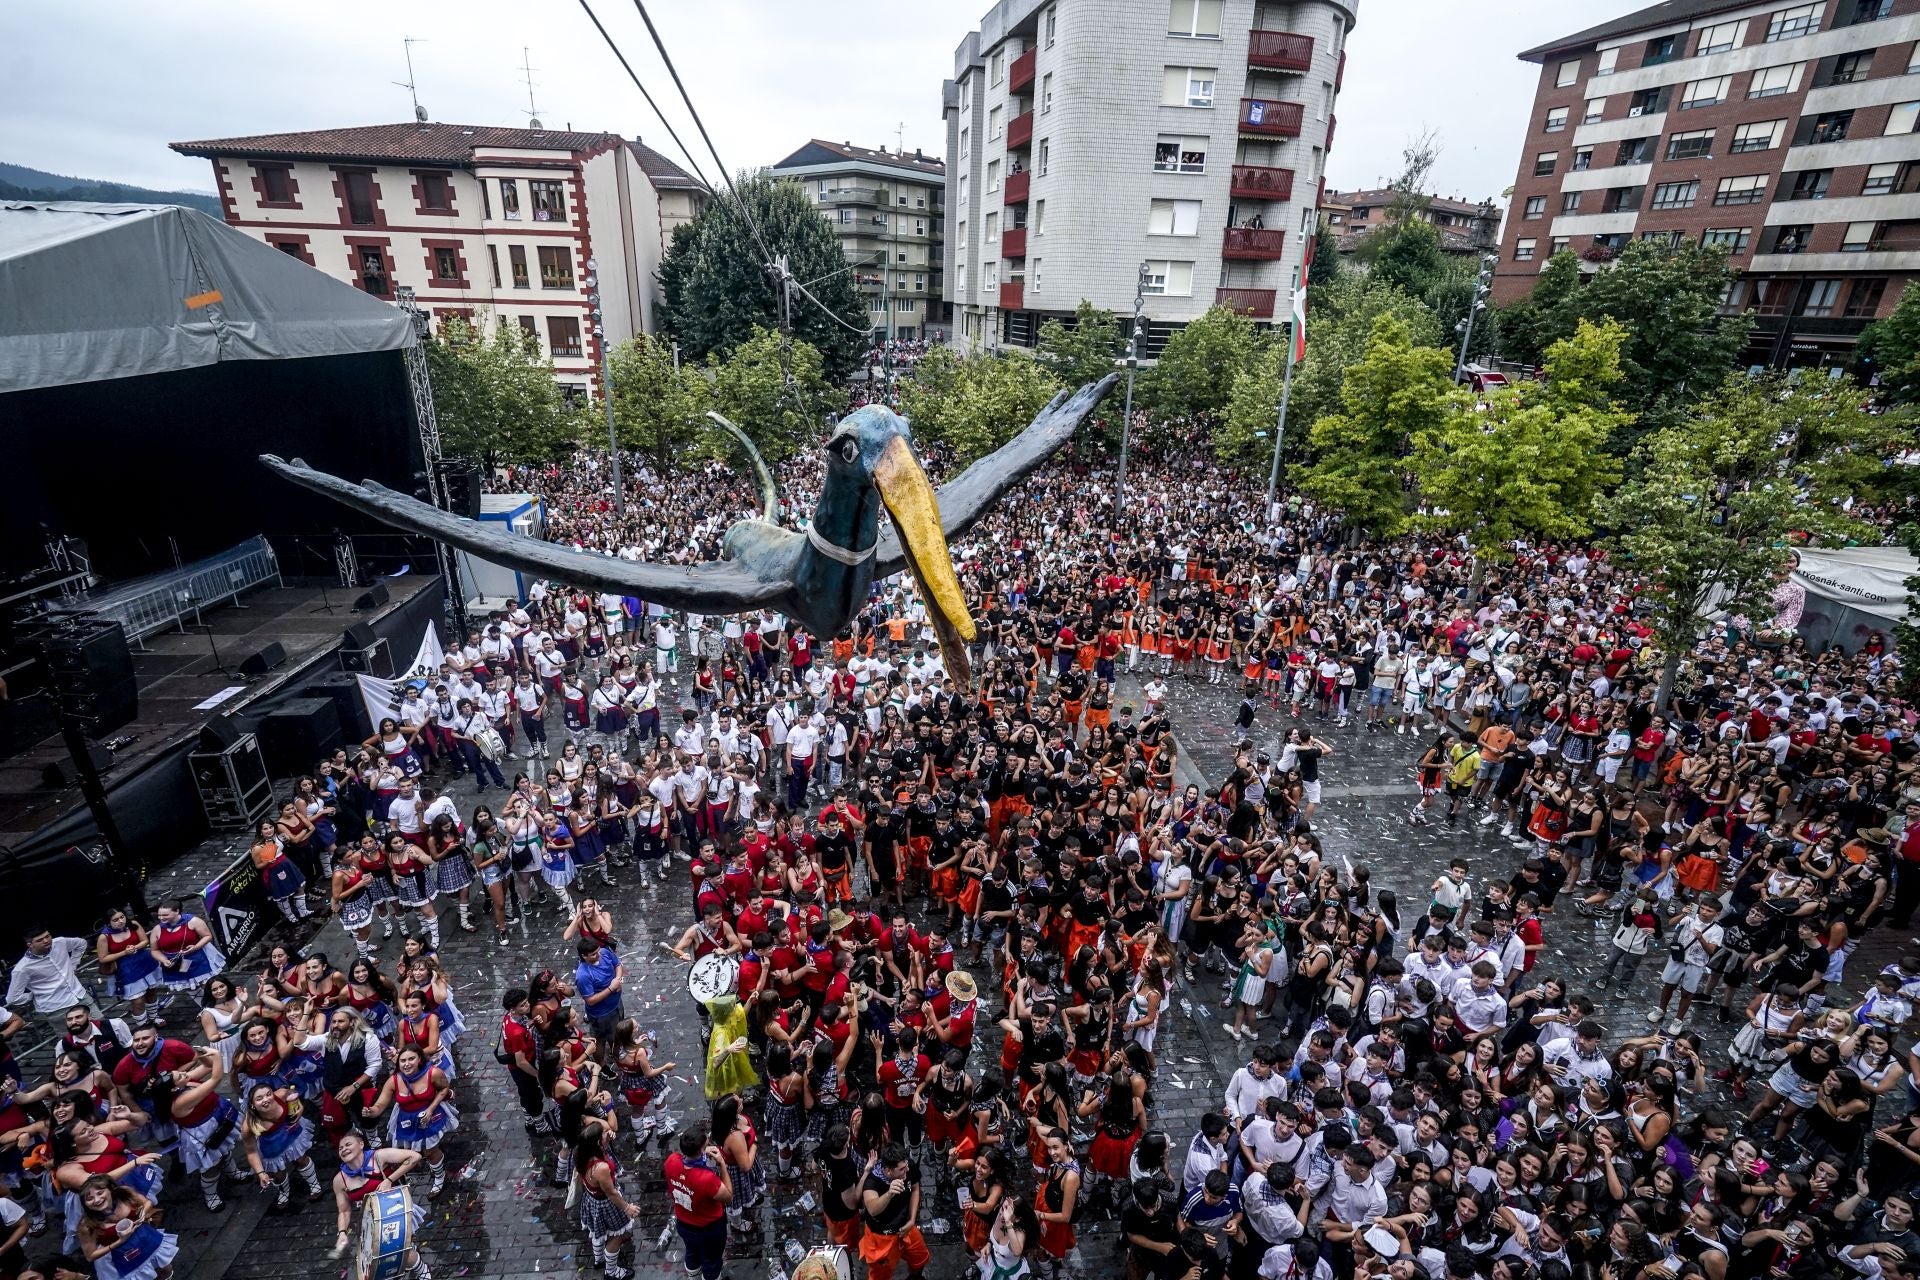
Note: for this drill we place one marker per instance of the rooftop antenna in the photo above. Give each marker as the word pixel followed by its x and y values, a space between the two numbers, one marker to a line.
pixel 419 112
pixel 526 73
pixel 900 139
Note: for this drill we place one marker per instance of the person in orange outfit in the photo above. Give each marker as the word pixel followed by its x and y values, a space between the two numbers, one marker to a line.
pixel 890 1209
pixel 1053 1199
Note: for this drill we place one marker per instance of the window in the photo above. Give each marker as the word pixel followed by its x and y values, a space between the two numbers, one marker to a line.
pixel 1523 249
pixel 1671 239
pixel 1750 189
pixel 1661 49
pixel 1046 157
pixel 1542 164
pixel 1705 93
pixel 446 264
pixel 1053 24
pixel 549 200
pixel 1608 59
pixel 1173 279
pixel 1582 159
pixel 563 335
pixel 1570 201
pixel 1787 239
pixel 1864 301
pixel 1568 73
pixel 1175 154
pixel 276 183
pixel 997 66
pixel 530 327
pixel 1622 199
pixel 1734 239
pixel 1831 126
pixel 1769 82
pixel 1913 59
pixel 1719 38
pixel 1859 237
pixel 1039 223
pixel 1634 151
pixel 996 122
pixel 1556 119
pixel 993 175
pixel 1033 275
pixel 361 208
pixel 1757 135
pixel 1595 109
pixel 966 143
pixel 1196 19
pixel 556 267
pixel 1187 87
pixel 1904 118
pixel 1882 179
pixel 919 226
pixel 292 248
pixel 493 258
pixel 373 270
pixel 1691 145
pixel 1785 24
pixel 1675 195
pixel 1810 184
pixel 436 193
pixel 1559 244
pixel 1046 93
pixel 1536 207
pixel 993 226
pixel 517 264
pixel 1867 11
pixel 1173 218
pixel 1650 102
pixel 509 200
pixel 1850 68
pixel 1821 298
pixel 920 281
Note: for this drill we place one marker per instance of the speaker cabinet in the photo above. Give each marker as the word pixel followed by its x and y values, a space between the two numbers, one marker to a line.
pixel 264 660
pixel 374 597
pixel 295 734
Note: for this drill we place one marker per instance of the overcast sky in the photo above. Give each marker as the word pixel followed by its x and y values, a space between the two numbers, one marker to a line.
pixel 97 89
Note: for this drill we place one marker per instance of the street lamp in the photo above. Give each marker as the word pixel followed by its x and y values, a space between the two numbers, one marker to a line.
pixel 606 384
pixel 1482 283
pixel 1133 365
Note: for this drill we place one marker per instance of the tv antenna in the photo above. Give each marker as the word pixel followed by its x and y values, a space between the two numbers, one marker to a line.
pixel 419 112
pixel 900 139
pixel 526 74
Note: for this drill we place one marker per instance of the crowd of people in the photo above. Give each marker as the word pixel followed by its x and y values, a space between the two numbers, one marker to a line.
pixel 951 923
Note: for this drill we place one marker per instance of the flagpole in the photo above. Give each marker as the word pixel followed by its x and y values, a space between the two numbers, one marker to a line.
pixel 1286 392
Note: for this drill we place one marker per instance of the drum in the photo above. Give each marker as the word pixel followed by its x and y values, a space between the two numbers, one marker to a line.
pixel 829 1262
pixel 386 1233
pixel 714 975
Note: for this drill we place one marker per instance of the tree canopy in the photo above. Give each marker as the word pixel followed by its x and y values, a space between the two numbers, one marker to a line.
pixel 975 404
pixel 1199 364
pixel 1890 348
pixel 658 410
pixel 495 397
pixel 751 389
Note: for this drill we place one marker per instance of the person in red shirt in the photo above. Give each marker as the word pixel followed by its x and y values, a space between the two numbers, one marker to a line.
pixel 952 1011
pixel 517 1044
pixel 1646 751
pixel 701 1188
pixel 900 1078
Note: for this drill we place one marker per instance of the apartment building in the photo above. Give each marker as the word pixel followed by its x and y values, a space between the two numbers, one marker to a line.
pixel 889 210
pixel 1465 226
pixel 1087 137
pixel 494 225
pixel 1788 132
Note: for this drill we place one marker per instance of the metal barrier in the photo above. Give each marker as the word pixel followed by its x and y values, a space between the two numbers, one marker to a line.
pixel 152 604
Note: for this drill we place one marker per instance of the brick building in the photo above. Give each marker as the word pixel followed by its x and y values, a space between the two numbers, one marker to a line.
pixel 1462 223
pixel 1788 132
pixel 1086 137
pixel 494 225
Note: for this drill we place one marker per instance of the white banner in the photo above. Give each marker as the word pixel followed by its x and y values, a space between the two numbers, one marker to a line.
pixel 383 696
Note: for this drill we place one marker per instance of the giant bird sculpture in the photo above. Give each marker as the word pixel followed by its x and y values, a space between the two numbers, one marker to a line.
pixel 819 578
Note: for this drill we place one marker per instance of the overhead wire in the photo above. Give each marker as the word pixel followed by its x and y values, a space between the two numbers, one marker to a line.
pixel 699 175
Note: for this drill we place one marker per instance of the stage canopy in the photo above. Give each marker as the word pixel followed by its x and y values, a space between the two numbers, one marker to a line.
pixel 96 291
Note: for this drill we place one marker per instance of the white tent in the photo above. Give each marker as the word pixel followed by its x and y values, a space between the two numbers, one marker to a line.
pixel 1853 592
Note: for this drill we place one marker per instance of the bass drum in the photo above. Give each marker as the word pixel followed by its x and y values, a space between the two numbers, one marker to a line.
pixel 386 1234
pixel 713 976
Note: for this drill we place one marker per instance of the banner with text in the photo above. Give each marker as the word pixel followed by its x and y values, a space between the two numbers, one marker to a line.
pixel 382 697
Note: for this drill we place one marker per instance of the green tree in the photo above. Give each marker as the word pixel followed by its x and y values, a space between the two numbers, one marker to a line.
pixel 1409 256
pixel 1891 349
pixel 1531 325
pixel 1394 394
pixel 1706 518
pixel 974 405
pixel 1245 438
pixel 1532 462
pixel 657 409
pixel 1327 267
pixel 1084 351
pixel 1339 327
pixel 781 416
pixel 495 398
pixel 717 286
pixel 1199 364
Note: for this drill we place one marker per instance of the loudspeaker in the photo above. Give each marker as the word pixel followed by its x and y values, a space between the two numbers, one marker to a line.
pixel 61 773
pixel 462 482
pixel 360 636
pixel 264 660
pixel 350 709
pixel 374 597
pixel 221 732
pixel 295 734
pixel 90 669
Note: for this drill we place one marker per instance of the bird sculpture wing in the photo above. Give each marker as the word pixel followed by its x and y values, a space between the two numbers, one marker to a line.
pixel 717 586
pixel 964 499
pixel 763 478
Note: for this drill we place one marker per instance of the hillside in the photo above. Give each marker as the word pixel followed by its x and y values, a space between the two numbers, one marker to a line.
pixel 17 182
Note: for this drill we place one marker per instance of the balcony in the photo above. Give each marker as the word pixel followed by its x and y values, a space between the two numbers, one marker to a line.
pixel 1013 297
pixel 854 195
pixel 1254 243
pixel 1258 182
pixel 1020 131
pixel 1257 303
pixel 1020 74
pixel 1270 119
pixel 1279 51
pixel 1016 186
pixel 1013 242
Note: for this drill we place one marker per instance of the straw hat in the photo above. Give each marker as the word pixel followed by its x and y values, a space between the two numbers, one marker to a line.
pixel 960 985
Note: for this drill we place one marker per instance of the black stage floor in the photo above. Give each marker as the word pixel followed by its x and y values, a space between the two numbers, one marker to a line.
pixel 175 671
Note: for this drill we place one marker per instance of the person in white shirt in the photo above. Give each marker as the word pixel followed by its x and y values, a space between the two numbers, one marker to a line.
pixel 666 652
pixel 407 812
pixel 803 738
pixel 1252 1083
pixel 690 799
pixel 48 974
pixel 1579 1057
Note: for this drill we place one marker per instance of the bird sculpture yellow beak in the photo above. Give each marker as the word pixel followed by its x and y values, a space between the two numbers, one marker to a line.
pixel 915 510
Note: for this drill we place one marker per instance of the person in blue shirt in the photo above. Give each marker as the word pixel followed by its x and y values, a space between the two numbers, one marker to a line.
pixel 1213 1210
pixel 598 978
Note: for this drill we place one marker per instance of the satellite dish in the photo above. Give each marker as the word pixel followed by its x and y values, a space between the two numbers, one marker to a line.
pixel 419 113
pixel 533 122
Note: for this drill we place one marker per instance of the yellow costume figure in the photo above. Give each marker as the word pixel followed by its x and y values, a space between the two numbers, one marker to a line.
pixel 728 1068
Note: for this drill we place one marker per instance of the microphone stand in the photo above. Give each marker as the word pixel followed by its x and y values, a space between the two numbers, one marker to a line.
pixel 213 645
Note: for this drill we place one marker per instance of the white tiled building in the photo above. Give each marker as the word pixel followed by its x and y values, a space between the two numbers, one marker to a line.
pixel 496 225
pixel 1085 137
